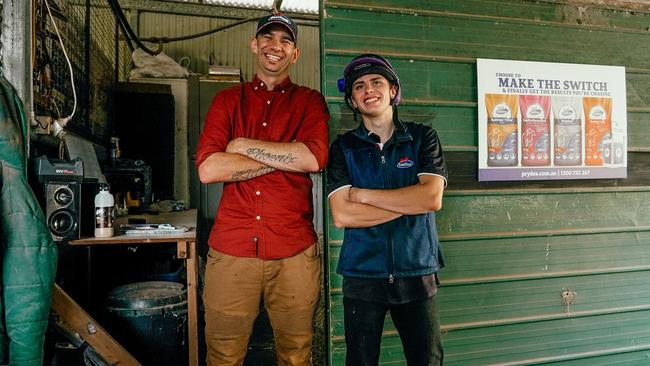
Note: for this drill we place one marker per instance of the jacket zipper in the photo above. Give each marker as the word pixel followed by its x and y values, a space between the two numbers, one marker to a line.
pixel 391 264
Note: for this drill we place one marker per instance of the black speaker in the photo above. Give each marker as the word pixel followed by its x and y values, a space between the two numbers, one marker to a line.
pixel 63 210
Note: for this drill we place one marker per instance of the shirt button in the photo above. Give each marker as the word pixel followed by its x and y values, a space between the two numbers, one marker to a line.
pixel 257 217
pixel 268 102
pixel 255 88
pixel 264 124
pixel 258 193
pixel 283 92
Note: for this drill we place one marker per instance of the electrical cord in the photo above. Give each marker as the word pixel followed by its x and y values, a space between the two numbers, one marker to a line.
pixel 122 23
pixel 162 40
pixel 47 125
pixel 58 111
pixel 119 14
pixel 63 121
pixel 119 22
pixel 128 31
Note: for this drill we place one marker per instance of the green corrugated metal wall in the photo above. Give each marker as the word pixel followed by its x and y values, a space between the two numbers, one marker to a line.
pixel 512 248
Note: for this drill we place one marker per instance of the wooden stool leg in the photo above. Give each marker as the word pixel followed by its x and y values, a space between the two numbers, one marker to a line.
pixel 189 253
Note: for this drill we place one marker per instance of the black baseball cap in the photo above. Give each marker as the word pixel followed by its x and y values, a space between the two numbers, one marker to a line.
pixel 281 20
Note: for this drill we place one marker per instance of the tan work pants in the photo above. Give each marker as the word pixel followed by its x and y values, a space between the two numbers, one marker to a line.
pixel 234 286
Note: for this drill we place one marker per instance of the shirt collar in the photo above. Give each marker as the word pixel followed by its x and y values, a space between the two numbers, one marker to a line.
pixel 260 86
pixel 400 134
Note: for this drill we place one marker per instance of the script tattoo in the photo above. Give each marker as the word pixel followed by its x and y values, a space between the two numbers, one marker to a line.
pixel 261 155
pixel 251 173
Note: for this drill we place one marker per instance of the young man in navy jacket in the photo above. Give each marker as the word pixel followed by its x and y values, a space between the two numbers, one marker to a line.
pixel 385 181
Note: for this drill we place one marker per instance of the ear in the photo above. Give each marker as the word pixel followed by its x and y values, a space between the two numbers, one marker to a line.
pixel 253 45
pixel 393 91
pixel 295 55
pixel 354 104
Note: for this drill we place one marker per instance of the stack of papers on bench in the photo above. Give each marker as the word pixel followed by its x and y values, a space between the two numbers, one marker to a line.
pixel 152 229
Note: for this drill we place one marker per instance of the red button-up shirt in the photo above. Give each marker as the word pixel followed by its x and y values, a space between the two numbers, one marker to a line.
pixel 269 216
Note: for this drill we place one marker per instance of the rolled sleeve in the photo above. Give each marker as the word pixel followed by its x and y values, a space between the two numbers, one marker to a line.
pixel 314 131
pixel 217 131
pixel 431 158
pixel 337 169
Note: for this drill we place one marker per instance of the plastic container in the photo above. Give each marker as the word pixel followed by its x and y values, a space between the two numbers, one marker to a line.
pixel 568 130
pixel 502 129
pixel 104 203
pixel 150 320
pixel 535 130
pixel 598 128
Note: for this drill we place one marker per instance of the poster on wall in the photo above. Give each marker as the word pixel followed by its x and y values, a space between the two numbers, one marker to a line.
pixel 543 121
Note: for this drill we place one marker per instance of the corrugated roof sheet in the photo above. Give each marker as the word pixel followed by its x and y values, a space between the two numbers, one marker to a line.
pixel 294 6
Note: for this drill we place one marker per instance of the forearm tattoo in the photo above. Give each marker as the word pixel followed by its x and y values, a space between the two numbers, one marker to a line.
pixel 261 155
pixel 251 173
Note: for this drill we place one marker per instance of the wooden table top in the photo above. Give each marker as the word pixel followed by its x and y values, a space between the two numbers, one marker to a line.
pixel 179 219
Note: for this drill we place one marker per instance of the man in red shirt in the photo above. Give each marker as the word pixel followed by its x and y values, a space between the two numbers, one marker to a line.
pixel 262 139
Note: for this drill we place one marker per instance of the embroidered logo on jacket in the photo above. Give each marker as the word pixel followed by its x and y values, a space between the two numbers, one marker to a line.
pixel 405 162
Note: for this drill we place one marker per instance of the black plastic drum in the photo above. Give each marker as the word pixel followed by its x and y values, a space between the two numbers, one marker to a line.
pixel 150 320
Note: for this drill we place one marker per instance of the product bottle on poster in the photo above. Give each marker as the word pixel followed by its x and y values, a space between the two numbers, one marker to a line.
pixel 535 130
pixel 568 130
pixel 618 147
pixel 501 129
pixel 104 203
pixel 598 128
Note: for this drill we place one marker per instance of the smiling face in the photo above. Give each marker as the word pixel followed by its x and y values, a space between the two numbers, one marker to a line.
pixel 275 53
pixel 372 95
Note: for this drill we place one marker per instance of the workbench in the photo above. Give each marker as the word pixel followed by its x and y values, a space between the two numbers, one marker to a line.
pixel 185 249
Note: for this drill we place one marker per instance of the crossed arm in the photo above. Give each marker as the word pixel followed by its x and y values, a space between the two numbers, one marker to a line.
pixel 246 158
pixel 360 207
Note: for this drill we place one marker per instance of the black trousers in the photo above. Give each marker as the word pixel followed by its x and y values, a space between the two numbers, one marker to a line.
pixel 417 324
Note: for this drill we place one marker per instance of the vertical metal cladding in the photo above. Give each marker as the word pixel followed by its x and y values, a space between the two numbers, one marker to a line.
pixel 230 47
